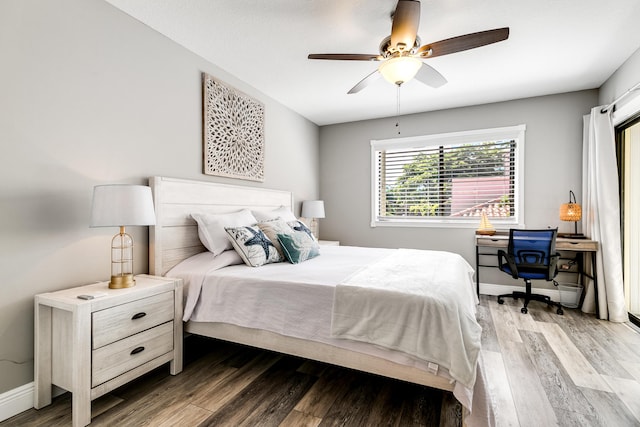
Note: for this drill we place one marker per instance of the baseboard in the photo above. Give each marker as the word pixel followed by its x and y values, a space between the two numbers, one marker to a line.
pixel 14 401
pixel 20 399
pixel 494 289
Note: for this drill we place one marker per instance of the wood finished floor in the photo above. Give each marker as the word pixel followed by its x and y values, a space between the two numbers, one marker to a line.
pixel 543 369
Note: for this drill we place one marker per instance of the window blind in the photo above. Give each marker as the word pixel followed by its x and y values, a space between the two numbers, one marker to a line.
pixel 454 181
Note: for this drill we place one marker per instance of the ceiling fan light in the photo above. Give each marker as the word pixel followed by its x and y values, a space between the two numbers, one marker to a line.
pixel 400 70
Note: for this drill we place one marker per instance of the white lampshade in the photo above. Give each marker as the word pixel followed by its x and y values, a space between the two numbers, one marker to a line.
pixel 312 209
pixel 400 70
pixel 121 205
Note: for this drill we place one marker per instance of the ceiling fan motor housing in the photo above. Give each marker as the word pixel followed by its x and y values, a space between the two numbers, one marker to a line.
pixel 388 51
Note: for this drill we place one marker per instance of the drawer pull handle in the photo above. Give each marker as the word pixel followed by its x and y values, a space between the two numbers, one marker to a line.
pixel 137 350
pixel 138 315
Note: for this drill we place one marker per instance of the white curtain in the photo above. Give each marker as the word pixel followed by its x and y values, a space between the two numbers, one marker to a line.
pixel 601 215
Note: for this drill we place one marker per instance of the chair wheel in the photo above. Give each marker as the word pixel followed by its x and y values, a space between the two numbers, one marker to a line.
pixel 500 301
pixel 560 311
pixel 524 310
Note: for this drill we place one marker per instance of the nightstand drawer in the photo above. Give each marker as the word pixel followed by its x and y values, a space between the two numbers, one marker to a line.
pixel 120 321
pixel 124 355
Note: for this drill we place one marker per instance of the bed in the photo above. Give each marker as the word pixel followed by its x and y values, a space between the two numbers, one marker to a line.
pixel 211 282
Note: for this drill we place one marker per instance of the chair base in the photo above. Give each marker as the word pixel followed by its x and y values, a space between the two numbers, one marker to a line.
pixel 528 296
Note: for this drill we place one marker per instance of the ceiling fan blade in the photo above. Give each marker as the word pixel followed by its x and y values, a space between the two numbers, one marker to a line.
pixel 346 56
pixel 365 82
pixel 460 43
pixel 430 76
pixel 406 20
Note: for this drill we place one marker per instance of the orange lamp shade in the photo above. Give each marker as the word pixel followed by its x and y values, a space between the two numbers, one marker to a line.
pixel 570 212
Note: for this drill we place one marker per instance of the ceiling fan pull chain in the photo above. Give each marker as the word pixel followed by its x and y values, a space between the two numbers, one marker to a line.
pixel 398 110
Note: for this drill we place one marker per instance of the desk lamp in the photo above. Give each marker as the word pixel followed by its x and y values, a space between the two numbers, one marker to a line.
pixel 571 211
pixel 119 206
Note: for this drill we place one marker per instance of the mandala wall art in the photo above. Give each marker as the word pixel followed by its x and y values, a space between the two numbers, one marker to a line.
pixel 233 132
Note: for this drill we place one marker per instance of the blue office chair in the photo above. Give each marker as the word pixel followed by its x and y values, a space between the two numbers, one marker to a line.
pixel 530 256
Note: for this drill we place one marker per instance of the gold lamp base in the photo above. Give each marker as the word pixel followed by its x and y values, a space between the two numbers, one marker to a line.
pixel 124 281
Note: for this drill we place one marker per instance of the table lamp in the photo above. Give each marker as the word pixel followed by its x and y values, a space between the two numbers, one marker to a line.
pixel 313 209
pixel 120 205
pixel 571 211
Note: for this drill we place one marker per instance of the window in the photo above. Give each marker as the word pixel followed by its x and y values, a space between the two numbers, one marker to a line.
pixel 628 144
pixel 448 179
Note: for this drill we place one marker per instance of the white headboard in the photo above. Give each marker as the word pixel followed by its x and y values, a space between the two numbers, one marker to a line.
pixel 175 235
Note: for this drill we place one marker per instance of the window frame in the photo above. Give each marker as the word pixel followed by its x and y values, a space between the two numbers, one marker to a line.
pixel 516 133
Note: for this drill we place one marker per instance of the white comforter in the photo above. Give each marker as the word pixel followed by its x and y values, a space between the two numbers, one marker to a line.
pixel 297 301
pixel 419 302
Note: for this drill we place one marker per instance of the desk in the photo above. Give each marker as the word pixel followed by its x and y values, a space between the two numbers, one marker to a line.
pixel 500 240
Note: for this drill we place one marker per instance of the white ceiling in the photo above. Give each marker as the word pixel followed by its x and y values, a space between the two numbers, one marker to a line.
pixel 554 46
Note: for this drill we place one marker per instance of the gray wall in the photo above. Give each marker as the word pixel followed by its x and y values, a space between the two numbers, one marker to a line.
pixel 553 166
pixel 621 81
pixel 89 96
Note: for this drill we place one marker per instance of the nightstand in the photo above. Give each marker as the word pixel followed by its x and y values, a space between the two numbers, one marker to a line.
pixel 90 347
pixel 328 242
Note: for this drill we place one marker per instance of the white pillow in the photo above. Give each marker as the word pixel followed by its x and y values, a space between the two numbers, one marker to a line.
pixel 282 212
pixel 211 228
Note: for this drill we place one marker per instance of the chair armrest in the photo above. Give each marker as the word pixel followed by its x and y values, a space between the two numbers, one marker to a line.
pixel 502 255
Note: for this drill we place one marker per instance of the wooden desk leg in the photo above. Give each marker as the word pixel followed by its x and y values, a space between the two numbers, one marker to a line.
pixel 594 273
pixel 477 271
pixel 42 347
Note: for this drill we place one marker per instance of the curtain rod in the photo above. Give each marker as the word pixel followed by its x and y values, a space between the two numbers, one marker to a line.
pixel 618 99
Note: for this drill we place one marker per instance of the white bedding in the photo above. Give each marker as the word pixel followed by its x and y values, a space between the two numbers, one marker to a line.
pixel 297 300
pixel 409 301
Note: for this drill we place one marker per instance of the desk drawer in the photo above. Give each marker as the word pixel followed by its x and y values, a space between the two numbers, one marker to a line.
pixel 124 355
pixel 120 321
pixel 492 242
pixel 576 245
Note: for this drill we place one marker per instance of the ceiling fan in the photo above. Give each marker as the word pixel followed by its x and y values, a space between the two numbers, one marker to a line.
pixel 401 53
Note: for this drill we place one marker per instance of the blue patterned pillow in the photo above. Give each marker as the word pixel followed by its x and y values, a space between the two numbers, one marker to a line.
pixel 253 246
pixel 298 225
pixel 298 246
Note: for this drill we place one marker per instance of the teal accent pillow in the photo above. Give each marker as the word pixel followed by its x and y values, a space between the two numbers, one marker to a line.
pixel 298 246
pixel 253 246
